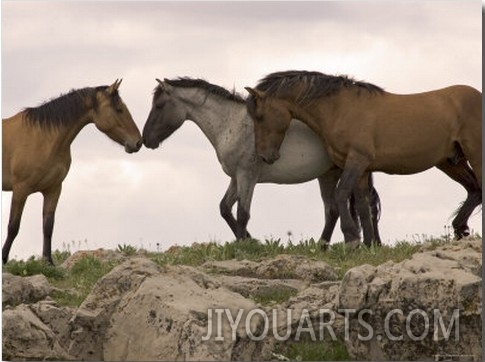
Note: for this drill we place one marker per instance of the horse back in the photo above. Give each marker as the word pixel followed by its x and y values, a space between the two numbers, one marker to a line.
pixel 454 104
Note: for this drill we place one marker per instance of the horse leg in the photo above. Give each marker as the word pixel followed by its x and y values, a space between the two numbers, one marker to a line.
pixel 460 172
pixel 328 183
pixel 245 190
pixel 51 197
pixel 19 198
pixel 361 193
pixel 354 169
pixel 226 204
pixel 375 204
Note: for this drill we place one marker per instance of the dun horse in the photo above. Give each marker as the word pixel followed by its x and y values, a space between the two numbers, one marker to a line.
pixel 366 129
pixel 223 118
pixel 36 148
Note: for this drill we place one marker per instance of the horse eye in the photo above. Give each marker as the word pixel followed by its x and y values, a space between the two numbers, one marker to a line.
pixel 119 110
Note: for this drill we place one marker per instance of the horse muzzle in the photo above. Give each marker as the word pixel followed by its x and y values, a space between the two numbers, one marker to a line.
pixel 270 157
pixel 151 144
pixel 133 147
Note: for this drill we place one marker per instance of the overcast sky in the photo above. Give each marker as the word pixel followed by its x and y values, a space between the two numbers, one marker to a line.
pixel 171 195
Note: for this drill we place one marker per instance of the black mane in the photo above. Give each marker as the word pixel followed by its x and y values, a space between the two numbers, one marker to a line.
pixel 315 84
pixel 186 82
pixel 66 108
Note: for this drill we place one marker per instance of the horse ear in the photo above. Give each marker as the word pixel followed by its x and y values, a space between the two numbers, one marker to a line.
pixel 257 94
pixel 113 88
pixel 164 86
pixel 161 84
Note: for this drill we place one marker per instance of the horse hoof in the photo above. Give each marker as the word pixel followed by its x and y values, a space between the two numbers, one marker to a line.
pixel 373 243
pixel 48 260
pixel 463 233
pixel 352 245
pixel 324 245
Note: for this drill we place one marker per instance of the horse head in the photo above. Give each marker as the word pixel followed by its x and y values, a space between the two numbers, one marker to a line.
pixel 165 117
pixel 113 118
pixel 271 118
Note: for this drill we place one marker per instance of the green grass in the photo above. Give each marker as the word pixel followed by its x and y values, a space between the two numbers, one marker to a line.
pixel 275 295
pixel 80 280
pixel 340 256
pixel 32 267
pixel 197 254
pixel 127 250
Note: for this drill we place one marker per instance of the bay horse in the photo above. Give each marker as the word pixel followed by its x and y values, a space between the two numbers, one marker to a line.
pixel 222 116
pixel 367 129
pixel 36 153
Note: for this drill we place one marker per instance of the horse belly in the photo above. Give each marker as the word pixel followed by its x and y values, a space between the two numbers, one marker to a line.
pixel 302 158
pixel 37 175
pixel 402 159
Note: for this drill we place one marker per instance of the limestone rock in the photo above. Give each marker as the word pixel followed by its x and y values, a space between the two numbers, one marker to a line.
pixel 93 317
pixel 25 336
pixel 140 311
pixel 17 289
pixel 427 306
pixel 282 266
pixel 168 316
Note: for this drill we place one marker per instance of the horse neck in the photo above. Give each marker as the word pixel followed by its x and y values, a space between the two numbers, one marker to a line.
pixel 313 113
pixel 214 115
pixel 63 136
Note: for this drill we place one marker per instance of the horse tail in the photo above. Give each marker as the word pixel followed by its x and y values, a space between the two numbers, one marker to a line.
pixel 478 199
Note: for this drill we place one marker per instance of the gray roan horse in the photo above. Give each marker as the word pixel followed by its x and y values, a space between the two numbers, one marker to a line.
pixel 36 149
pixel 222 116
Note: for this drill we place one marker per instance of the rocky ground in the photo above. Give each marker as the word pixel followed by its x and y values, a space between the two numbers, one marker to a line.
pixel 426 308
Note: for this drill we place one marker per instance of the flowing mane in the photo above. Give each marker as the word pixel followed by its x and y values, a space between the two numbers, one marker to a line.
pixel 186 82
pixel 60 111
pixel 314 84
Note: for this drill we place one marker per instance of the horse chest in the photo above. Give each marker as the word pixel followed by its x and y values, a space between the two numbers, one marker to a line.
pixel 232 160
pixel 234 151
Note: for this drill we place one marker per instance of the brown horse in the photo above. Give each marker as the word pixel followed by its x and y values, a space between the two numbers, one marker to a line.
pixel 366 129
pixel 36 151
